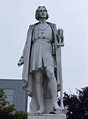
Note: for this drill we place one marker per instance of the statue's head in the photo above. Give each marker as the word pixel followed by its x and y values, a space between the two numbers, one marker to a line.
pixel 37 16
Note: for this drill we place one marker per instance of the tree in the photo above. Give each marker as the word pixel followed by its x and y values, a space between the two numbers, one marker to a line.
pixel 77 104
pixel 20 115
pixel 7 111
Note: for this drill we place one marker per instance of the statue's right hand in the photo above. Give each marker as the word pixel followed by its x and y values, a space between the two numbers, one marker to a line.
pixel 21 61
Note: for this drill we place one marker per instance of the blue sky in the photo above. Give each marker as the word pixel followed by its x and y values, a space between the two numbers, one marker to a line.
pixel 71 15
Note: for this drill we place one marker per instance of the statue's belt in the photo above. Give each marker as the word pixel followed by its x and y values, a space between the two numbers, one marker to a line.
pixel 42 40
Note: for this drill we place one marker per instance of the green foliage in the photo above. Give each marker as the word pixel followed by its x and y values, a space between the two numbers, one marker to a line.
pixel 3 102
pixel 20 115
pixel 7 111
pixel 77 104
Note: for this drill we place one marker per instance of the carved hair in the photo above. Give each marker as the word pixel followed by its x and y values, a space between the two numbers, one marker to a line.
pixel 37 13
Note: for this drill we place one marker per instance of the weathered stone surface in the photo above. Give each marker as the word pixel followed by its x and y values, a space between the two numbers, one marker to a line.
pixel 47 116
pixel 34 105
pixel 42 67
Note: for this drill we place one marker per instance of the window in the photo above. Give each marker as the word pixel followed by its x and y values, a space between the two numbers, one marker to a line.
pixel 9 94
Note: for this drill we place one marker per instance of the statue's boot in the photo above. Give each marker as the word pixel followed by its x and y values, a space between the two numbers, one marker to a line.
pixel 56 107
pixel 40 112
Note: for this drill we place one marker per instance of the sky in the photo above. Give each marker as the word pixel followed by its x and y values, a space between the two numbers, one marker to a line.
pixel 70 15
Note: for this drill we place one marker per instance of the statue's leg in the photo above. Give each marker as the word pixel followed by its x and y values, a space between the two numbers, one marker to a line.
pixel 39 90
pixel 52 86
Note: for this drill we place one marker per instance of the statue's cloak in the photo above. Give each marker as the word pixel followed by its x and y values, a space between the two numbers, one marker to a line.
pixel 26 75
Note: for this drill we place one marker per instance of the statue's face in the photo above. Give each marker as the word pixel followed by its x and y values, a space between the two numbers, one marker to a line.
pixel 42 12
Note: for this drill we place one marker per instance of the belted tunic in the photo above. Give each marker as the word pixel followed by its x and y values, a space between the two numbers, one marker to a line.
pixel 41 52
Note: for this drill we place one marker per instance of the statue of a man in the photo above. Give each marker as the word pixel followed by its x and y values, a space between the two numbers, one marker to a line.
pixel 38 57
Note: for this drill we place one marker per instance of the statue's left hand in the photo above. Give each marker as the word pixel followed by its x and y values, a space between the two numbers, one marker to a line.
pixel 60 32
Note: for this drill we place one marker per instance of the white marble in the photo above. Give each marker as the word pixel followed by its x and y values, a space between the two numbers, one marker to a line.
pixel 39 64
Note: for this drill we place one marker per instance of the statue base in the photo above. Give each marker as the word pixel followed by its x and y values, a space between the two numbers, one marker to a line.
pixel 47 116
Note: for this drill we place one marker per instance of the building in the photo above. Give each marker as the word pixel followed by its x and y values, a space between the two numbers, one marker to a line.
pixel 15 93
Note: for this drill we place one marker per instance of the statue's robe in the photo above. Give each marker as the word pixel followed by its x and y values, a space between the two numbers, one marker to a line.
pixel 26 75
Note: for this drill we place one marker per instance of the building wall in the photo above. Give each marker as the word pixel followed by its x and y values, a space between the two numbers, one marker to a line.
pixel 15 93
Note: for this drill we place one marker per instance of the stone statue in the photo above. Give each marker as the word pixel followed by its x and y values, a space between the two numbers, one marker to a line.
pixel 39 59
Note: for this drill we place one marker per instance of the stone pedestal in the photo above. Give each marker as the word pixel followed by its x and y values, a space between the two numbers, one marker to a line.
pixel 47 116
